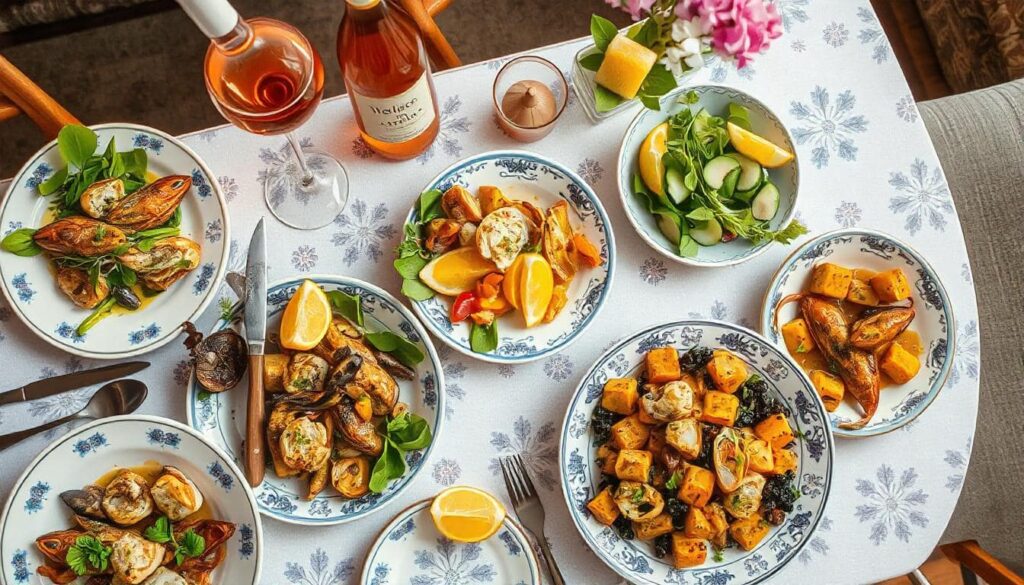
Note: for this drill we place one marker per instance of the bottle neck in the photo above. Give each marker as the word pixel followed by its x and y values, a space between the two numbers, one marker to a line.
pixel 357 5
pixel 237 40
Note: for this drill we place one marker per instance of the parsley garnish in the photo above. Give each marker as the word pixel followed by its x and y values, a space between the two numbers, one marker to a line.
pixel 88 551
pixel 673 481
pixel 638 495
pixel 192 544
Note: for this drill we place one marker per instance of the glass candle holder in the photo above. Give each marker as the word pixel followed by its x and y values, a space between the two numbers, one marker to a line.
pixel 529 68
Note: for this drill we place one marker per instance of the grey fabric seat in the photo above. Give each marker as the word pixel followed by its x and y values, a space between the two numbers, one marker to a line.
pixel 979 137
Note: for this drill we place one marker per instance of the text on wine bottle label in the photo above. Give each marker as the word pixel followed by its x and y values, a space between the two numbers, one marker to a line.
pixel 397 118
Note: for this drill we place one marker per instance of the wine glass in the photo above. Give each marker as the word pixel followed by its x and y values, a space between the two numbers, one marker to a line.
pixel 266 78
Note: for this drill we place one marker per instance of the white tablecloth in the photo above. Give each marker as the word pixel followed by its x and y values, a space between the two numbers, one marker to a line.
pixel 867 161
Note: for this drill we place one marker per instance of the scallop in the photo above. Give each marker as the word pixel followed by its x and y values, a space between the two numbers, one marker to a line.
pixel 175 495
pixel 164 576
pixel 745 500
pixel 306 373
pixel 305 444
pixel 502 235
pixel 685 436
pixel 672 401
pixel 127 499
pixel 638 501
pixel 133 559
pixel 101 196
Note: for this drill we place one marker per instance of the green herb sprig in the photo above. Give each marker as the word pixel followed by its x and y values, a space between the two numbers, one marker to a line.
pixel 192 544
pixel 350 307
pixel 88 552
pixel 76 145
pixel 401 434
pixel 410 256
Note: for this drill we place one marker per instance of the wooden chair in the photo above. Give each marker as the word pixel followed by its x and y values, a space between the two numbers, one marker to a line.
pixel 20 95
pixel 972 557
pixel 438 48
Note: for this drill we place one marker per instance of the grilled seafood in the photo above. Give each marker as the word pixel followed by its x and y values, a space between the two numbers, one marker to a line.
pixel 638 501
pixel 164 576
pixel 880 327
pixel 101 196
pixel 361 434
pixel 281 415
pixel 668 402
pixel 175 495
pixel 167 262
pixel 371 380
pixel 442 234
pixel 134 558
pixel 127 499
pixel 86 501
pixel 306 373
pixel 305 444
pixel 341 338
pixel 150 206
pixel 351 476
pixel 558 242
pixel 745 500
pixel 459 204
pixel 79 236
pixel 219 360
pixel 76 284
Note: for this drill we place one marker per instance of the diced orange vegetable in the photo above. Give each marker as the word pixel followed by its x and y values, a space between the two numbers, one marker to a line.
pixel 630 433
pixel 559 297
pixel 606 458
pixel 491 198
pixel 364 407
pixel 759 456
pixel 688 552
pixel 653 528
pixel 662 365
pixel 720 408
pixel 603 507
pixel 716 516
pixel 656 442
pixel 784 460
pixel 727 370
pixel 485 317
pixel 830 388
pixel 620 395
pixel 748 532
pixel 626 63
pixel 697 485
pixel 891 285
pixel 776 430
pixel 797 336
pixel 831 280
pixel 697 524
pixel 862 293
pixel 489 286
pixel 899 364
pixel 497 305
pixel 587 251
pixel 634 465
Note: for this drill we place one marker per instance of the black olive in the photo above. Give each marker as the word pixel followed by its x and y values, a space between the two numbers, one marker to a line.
pixel 696 359
pixel 126 298
pixel 602 421
pixel 662 545
pixel 779 492
pixel 645 507
pixel 624 527
pixel 677 509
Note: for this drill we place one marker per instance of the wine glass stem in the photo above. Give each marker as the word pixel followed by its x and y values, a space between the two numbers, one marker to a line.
pixel 307 176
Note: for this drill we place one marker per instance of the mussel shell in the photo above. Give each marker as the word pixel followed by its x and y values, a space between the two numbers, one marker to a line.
pixel 221 360
pixel 86 502
pixel 126 298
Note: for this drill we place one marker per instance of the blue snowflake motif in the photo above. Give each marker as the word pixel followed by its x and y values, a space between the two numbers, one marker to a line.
pixel 957 461
pixel 363 232
pixel 721 68
pixel 453 564
pixel 24 287
pixel 452 372
pixel 835 34
pixel 361 149
pixel 148 142
pixel 922 195
pixel 906 109
pixel 12 226
pixel 224 479
pixel 447 471
pixel 872 34
pixel 590 170
pixel 90 444
pixel 47 372
pixel 829 126
pixel 891 504
pixel 199 183
pixel 283 175
pixel 538 450
pixel 163 438
pixel 228 186
pixel 59 405
pixel 19 562
pixel 245 536
pixel 68 331
pixel 448 135
pixel 968 348
pixel 304 258
pixel 506 371
pixel 203 279
pixel 36 497
pixel 214 231
pixel 798 46
pixel 653 271
pixel 151 331
pixel 848 214
pixel 792 12
pixel 558 367
pixel 320 571
pixel 817 544
pixel 320 508
pixel 39 175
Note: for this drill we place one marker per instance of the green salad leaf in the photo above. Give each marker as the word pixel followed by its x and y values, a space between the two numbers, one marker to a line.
pixel 20 242
pixel 348 306
pixel 602 30
pixel 403 433
pixel 403 349
pixel 484 338
pixel 76 144
pixel 88 551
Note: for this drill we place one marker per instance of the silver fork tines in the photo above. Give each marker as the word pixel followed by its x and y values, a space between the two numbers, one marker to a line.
pixel 528 507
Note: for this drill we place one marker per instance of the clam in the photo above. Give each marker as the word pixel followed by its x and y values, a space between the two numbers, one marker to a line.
pixel 164 576
pixel 668 402
pixel 306 373
pixel 79 236
pixel 730 459
pixel 176 495
pixel 219 360
pixel 101 196
pixel 558 241
pixel 685 436
pixel 351 476
pixel 442 234
pixel 150 206
pixel 361 434
pixel 133 559
pixel 745 500
pixel 305 444
pixel 459 204
pixel 281 415
pixel 167 262
pixel 87 501
pixel 638 501
pixel 126 499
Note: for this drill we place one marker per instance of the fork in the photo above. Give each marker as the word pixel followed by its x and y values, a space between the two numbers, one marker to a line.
pixel 529 508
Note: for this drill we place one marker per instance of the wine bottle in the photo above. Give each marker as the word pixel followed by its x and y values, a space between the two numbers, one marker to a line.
pixel 387 75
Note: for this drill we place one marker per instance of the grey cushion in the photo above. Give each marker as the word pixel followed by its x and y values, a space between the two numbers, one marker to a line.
pixel 17 14
pixel 978 137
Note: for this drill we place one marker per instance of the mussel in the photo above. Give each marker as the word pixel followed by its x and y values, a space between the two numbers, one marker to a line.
pixel 281 415
pixel 126 499
pixel 730 459
pixel 351 476
pixel 87 501
pixel 361 434
pixel 176 495
pixel 369 379
pixel 101 196
pixel 79 236
pixel 442 234
pixel 459 204
pixel 219 360
pixel 150 206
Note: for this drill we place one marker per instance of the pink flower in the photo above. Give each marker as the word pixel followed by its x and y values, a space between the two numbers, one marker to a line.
pixel 636 8
pixel 739 29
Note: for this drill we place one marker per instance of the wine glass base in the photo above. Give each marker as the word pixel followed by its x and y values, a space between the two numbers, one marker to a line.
pixel 308 205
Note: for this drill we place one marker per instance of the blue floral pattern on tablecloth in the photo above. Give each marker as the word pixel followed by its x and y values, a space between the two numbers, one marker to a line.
pixel 828 126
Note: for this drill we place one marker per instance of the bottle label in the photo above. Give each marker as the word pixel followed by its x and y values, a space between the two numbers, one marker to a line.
pixel 398 118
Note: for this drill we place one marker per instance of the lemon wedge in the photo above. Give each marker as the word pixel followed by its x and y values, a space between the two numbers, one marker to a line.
pixel 467 514
pixel 457 271
pixel 653 148
pixel 306 318
pixel 536 287
pixel 766 153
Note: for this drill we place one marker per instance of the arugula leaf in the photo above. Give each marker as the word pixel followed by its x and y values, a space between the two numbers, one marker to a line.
pixel 349 306
pixel 403 349
pixel 430 205
pixel 592 62
pixel 605 100
pixel 76 144
pixel 484 338
pixel 603 31
pixel 20 242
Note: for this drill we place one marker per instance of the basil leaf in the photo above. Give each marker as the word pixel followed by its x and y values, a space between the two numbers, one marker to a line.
pixel 658 82
pixel 76 144
pixel 414 435
pixel 701 214
pixel 603 31
pixel 390 465
pixel 650 102
pixel 403 349
pixel 484 338
pixel 416 290
pixel 592 62
pixel 56 181
pixel 604 99
pixel 410 266
pixel 348 306
pixel 136 161
pixel 645 33
pixel 20 243
pixel 430 205
pixel 116 168
pixel 688 247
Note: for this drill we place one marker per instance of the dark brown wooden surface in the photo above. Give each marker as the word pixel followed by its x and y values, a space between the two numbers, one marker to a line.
pixel 27 97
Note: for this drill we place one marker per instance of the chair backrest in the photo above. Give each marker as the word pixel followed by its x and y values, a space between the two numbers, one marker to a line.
pixel 19 94
pixel 438 48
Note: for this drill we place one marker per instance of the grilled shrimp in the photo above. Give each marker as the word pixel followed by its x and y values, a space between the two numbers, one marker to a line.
pixel 151 205
pixel 80 236
pixel 76 284
pixel 169 260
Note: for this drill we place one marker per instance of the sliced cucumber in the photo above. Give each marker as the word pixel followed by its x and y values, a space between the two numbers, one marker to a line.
pixel 750 173
pixel 717 168
pixel 766 203
pixel 670 226
pixel 675 186
pixel 707 233
pixel 729 184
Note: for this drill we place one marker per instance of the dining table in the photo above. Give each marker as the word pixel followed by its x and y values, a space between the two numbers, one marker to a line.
pixel 866 160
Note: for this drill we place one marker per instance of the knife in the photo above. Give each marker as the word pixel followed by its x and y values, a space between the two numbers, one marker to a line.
pixel 256 337
pixel 58 384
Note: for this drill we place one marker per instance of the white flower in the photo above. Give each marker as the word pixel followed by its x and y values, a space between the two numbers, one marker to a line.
pixel 690 40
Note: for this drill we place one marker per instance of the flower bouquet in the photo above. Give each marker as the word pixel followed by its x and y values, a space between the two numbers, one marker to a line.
pixel 675 38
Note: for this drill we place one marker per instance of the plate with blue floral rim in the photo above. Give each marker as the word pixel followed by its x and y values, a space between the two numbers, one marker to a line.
pixel 535 178
pixel 715 99
pixel 86 453
pixel 28 282
pixel 634 560
pixel 217 417
pixel 934 321
pixel 507 558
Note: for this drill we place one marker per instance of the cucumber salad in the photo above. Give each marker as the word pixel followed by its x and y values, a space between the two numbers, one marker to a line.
pixel 705 178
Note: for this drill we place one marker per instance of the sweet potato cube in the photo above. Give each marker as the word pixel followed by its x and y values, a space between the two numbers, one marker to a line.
pixel 759 456
pixel 698 483
pixel 715 514
pixel 797 336
pixel 727 370
pixel 748 532
pixel 697 524
pixel 634 465
pixel 861 293
pixel 830 388
pixel 620 395
pixel 784 460
pixel 688 552
pixel 663 365
pixel 720 408
pixel 603 507
pixel 831 280
pixel 653 528
pixel 891 285
pixel 899 364
pixel 606 458
pixel 776 430
pixel 630 433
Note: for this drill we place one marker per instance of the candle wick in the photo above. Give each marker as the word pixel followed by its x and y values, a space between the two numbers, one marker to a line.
pixel 530 98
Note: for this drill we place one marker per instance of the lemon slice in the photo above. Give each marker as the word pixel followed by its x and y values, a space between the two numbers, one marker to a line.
pixel 653 148
pixel 766 153
pixel 536 287
pixel 306 318
pixel 457 271
pixel 467 514
pixel 510 284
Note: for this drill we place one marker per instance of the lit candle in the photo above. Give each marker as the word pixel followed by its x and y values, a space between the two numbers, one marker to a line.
pixel 529 94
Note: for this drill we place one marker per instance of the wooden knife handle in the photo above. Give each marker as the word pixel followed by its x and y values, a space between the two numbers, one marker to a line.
pixel 255 461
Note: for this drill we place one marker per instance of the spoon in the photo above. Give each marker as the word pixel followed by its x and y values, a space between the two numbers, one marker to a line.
pixel 114 398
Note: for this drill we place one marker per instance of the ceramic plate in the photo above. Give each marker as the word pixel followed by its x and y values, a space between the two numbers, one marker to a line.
pixel 221 417
pixel 89 451
pixel 411 550
pixel 29 285
pixel 715 99
pixel 635 560
pixel 543 182
pixel 859 248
